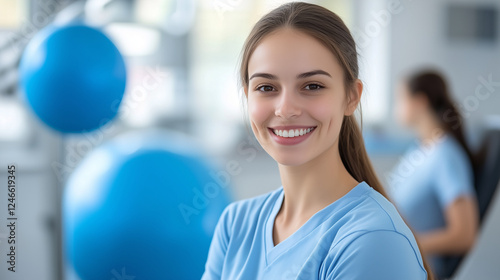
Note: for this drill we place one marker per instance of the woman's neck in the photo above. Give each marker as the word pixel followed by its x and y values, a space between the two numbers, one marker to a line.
pixel 312 186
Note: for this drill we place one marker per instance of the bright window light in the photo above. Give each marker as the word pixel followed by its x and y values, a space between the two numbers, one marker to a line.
pixel 134 40
pixel 13 121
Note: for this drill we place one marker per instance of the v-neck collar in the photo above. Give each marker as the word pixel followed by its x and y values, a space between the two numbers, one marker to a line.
pixel 272 252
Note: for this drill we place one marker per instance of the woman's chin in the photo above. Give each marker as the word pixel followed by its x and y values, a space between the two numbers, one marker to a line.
pixel 289 160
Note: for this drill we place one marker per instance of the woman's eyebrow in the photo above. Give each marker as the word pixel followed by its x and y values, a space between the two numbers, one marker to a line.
pixel 264 75
pixel 312 73
pixel 300 76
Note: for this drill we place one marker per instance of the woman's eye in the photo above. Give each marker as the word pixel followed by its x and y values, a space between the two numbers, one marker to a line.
pixel 313 87
pixel 265 88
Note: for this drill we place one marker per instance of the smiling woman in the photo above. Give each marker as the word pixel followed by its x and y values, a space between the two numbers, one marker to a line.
pixel 306 91
pixel 330 218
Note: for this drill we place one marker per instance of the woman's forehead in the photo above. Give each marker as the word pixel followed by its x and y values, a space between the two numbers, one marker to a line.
pixel 291 52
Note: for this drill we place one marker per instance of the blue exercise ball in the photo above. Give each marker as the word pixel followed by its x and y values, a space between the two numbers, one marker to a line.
pixel 144 206
pixel 73 77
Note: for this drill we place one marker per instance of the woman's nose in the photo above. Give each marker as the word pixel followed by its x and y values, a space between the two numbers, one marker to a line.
pixel 288 105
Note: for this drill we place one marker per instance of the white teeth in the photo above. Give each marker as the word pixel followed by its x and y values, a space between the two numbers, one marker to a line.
pixel 292 132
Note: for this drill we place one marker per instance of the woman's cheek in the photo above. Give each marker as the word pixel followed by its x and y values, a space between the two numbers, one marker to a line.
pixel 259 111
pixel 326 111
pixel 404 112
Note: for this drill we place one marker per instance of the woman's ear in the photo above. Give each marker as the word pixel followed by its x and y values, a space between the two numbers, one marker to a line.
pixel 354 97
pixel 245 90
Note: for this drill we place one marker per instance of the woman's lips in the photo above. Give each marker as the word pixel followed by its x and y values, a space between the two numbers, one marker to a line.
pixel 290 135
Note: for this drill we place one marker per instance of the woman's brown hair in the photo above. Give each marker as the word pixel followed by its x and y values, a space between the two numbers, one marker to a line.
pixel 329 29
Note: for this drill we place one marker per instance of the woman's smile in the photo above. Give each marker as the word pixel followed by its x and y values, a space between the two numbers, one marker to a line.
pixel 290 135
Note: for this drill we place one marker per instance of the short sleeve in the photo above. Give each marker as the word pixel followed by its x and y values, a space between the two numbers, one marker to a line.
pixel 453 177
pixel 382 254
pixel 218 246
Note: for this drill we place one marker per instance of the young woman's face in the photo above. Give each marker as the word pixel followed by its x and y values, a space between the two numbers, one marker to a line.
pixel 296 97
pixel 407 108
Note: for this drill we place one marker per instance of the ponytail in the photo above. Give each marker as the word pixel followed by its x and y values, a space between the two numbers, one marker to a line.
pixel 354 156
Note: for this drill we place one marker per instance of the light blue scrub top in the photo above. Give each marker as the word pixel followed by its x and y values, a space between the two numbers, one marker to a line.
pixel 426 181
pixel 360 236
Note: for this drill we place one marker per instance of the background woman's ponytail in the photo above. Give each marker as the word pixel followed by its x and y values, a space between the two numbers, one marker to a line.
pixel 432 85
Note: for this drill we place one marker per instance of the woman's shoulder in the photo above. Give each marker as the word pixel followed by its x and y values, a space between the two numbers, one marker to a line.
pixel 451 158
pixel 375 212
pixel 373 229
pixel 449 148
pixel 390 255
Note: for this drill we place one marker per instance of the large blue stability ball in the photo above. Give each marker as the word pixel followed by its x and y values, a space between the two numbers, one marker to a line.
pixel 143 206
pixel 73 77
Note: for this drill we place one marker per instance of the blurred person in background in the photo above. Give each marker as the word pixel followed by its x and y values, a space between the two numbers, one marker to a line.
pixel 433 185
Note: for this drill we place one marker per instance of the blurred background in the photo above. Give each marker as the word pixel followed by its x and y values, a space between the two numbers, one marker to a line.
pixel 190 50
